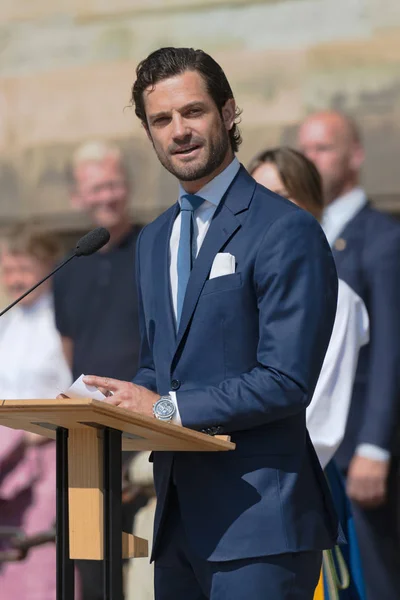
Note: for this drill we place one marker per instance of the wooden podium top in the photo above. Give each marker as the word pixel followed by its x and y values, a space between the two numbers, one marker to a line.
pixel 139 432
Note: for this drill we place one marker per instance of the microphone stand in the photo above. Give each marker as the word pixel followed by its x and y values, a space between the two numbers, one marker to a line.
pixel 87 245
pixel 37 284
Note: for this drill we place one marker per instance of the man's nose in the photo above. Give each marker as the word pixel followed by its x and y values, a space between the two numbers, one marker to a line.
pixel 180 129
pixel 105 193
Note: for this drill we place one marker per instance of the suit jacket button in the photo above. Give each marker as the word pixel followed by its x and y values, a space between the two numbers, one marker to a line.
pixel 175 385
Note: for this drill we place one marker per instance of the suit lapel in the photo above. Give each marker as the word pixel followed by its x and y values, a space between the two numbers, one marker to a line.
pixel 162 275
pixel 224 224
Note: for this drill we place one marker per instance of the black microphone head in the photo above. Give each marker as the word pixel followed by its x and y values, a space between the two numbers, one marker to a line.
pixel 92 241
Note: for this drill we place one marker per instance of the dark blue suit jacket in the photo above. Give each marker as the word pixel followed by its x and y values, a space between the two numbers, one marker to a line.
pixel 246 360
pixel 369 262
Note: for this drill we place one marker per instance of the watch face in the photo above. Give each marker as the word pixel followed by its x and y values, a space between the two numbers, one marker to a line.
pixel 165 409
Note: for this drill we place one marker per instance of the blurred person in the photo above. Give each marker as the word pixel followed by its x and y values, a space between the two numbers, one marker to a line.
pixel 95 297
pixel 29 341
pixel 366 247
pixel 236 315
pixel 32 366
pixel 290 174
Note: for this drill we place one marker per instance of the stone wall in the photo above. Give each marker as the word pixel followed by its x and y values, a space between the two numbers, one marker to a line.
pixel 66 68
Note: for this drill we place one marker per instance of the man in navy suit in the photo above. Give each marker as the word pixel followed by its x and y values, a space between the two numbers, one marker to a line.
pixel 366 247
pixel 237 295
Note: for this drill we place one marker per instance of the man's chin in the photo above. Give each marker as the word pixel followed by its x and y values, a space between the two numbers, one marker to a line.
pixel 189 172
pixel 107 221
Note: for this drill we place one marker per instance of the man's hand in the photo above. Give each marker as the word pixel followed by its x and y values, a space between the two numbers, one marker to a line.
pixel 367 481
pixel 125 394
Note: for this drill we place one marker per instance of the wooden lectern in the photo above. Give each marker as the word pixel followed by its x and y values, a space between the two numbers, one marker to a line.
pixel 90 436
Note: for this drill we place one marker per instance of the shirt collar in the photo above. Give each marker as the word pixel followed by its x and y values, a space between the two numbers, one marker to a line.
pixel 44 302
pixel 341 211
pixel 214 190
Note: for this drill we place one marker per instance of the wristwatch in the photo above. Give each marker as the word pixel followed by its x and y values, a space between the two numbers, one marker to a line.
pixel 164 409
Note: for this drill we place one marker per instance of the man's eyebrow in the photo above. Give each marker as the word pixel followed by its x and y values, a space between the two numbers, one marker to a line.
pixel 193 104
pixel 162 113
pixel 159 114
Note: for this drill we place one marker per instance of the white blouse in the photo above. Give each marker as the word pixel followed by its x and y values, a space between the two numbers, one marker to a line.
pixel 32 363
pixel 328 411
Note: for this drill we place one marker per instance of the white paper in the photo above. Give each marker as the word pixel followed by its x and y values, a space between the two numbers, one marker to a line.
pixel 224 264
pixel 79 389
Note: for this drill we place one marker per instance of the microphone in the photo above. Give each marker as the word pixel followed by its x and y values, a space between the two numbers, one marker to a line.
pixel 87 245
pixel 92 241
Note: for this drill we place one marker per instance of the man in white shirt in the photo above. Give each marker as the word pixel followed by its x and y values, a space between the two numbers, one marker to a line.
pixel 366 247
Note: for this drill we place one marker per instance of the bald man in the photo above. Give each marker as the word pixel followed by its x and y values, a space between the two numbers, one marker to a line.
pixel 366 247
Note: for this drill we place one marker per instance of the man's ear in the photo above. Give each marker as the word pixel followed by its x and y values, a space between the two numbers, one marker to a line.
pixel 229 113
pixel 357 157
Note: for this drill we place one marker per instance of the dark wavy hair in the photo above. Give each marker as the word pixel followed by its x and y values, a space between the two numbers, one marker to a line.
pixel 169 62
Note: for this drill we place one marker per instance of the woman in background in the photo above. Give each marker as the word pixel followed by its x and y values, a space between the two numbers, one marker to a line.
pixel 291 175
pixel 32 366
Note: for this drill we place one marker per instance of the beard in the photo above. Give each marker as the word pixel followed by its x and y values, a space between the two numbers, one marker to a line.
pixel 216 151
pixel 333 187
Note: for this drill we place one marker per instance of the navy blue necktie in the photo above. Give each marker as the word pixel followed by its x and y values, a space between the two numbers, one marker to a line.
pixel 189 203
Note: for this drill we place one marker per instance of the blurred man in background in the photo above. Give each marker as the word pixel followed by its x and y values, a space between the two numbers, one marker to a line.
pixel 95 297
pixel 366 247
pixel 32 366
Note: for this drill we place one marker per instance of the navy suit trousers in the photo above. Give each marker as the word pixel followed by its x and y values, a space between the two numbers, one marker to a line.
pixel 180 574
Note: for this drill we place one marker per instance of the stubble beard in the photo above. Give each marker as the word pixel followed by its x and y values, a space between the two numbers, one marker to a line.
pixel 218 150
pixel 334 188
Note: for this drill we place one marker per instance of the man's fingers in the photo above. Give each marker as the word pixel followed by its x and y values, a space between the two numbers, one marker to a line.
pixel 114 400
pixel 368 502
pixel 103 382
pixel 120 397
pixel 120 401
pixel 369 493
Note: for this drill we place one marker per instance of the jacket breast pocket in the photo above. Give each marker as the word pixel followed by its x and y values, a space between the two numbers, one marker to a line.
pixel 223 283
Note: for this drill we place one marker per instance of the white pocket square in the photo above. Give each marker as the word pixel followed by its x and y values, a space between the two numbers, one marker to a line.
pixel 224 264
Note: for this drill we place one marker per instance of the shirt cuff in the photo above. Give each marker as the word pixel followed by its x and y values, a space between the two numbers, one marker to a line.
pixel 372 452
pixel 176 419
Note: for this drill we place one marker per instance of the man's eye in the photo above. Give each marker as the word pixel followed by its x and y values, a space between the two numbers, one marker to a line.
pixel 160 121
pixel 194 112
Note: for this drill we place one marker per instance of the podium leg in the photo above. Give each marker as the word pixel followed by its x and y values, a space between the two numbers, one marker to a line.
pixel 65 566
pixel 113 587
